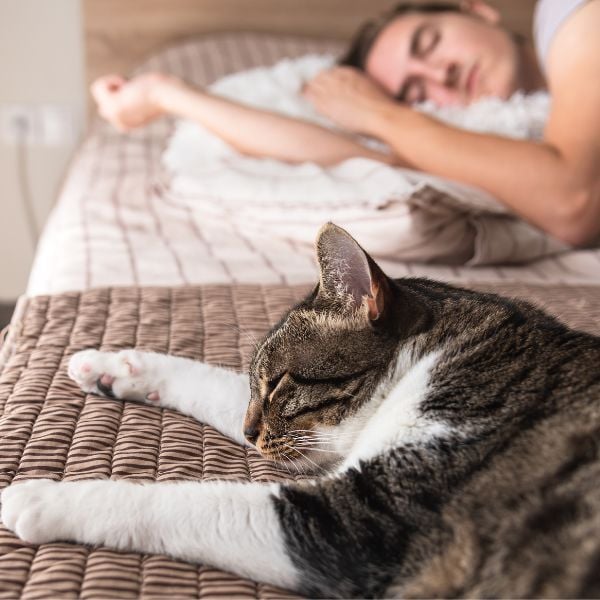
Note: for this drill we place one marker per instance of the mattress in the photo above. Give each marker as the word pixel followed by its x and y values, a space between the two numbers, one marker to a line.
pixel 50 428
pixel 116 222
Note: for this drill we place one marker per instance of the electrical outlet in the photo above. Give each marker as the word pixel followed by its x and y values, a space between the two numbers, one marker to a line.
pixel 39 124
pixel 17 124
pixel 55 125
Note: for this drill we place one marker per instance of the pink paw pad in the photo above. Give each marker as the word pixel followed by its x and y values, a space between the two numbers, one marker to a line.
pixel 107 380
pixel 153 397
pixel 86 367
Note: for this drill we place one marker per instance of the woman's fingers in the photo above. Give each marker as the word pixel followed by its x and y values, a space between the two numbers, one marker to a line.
pixel 347 97
pixel 104 86
pixel 113 83
pixel 105 92
pixel 121 102
pixel 326 87
pixel 128 104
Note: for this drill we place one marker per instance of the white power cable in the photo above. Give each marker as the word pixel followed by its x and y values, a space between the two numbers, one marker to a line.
pixel 22 127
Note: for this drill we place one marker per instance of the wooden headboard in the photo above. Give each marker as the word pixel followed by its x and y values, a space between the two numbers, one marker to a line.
pixel 119 34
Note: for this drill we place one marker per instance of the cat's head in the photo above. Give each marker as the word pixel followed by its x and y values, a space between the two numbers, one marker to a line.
pixel 328 355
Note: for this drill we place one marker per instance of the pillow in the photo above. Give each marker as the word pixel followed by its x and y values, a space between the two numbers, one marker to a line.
pixel 260 192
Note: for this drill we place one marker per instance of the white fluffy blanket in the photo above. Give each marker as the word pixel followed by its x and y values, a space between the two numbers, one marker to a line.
pixel 397 213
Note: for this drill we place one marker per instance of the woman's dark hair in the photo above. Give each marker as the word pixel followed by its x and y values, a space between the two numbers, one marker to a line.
pixel 363 40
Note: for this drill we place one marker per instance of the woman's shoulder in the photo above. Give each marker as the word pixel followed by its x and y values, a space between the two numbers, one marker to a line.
pixel 549 17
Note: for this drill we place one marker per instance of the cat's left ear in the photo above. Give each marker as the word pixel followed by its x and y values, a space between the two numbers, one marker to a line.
pixel 349 275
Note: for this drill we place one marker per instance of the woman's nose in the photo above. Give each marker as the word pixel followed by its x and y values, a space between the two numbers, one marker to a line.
pixel 442 83
pixel 453 76
pixel 442 73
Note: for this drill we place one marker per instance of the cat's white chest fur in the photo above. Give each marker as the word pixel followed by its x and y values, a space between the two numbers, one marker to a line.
pixel 396 418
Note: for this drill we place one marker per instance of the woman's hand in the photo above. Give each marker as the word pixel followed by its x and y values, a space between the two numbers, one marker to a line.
pixel 349 98
pixel 130 104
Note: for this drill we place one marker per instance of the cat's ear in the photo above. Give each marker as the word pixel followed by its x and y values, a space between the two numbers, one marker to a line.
pixel 349 276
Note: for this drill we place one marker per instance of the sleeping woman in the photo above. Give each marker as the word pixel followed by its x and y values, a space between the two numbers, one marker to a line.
pixel 433 51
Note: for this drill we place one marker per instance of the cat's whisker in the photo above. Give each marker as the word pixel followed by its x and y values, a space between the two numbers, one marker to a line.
pixel 317 466
pixel 251 337
pixel 316 449
pixel 312 431
pixel 281 462
pixel 307 441
pixel 284 461
pixel 298 467
pixel 332 446
pixel 332 436
pixel 315 443
pixel 324 441
pixel 324 433
pixel 310 440
pixel 288 462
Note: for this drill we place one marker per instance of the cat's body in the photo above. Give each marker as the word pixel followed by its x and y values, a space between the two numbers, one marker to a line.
pixel 454 438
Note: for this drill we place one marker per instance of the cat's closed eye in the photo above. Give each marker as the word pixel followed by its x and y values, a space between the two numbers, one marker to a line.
pixel 325 403
pixel 274 382
pixel 326 379
pixel 309 380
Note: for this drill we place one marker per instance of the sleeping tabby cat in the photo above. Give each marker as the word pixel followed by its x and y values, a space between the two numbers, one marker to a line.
pixel 453 436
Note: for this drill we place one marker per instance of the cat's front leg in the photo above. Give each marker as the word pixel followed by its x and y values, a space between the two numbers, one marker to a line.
pixel 229 525
pixel 209 394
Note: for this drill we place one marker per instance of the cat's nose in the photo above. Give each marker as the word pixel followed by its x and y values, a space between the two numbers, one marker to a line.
pixel 251 433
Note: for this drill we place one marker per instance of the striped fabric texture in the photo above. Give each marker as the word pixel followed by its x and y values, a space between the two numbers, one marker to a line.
pixel 49 428
pixel 116 222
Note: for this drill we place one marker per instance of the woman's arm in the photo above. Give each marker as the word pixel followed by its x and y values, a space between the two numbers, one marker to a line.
pixel 131 104
pixel 554 184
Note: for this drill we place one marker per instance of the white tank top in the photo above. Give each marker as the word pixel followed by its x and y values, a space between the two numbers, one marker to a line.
pixel 549 16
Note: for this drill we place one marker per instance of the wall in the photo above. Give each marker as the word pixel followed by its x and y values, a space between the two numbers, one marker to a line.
pixel 122 33
pixel 41 62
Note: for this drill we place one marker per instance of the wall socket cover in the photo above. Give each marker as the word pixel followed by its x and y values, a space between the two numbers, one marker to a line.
pixel 38 124
pixel 16 124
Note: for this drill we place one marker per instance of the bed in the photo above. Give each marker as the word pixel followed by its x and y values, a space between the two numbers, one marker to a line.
pixel 120 264
pixel 117 223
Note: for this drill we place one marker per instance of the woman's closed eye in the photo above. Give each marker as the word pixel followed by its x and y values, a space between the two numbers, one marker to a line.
pixel 424 41
pixel 413 91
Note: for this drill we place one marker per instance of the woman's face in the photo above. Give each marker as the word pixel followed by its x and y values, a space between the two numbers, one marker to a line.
pixel 449 58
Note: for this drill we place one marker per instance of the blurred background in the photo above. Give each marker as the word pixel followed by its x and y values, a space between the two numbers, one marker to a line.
pixel 42 99
pixel 51 49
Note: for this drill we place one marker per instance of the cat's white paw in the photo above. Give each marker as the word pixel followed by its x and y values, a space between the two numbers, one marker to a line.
pixel 124 375
pixel 86 367
pixel 32 510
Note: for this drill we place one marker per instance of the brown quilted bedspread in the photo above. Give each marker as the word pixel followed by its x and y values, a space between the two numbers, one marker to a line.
pixel 49 428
